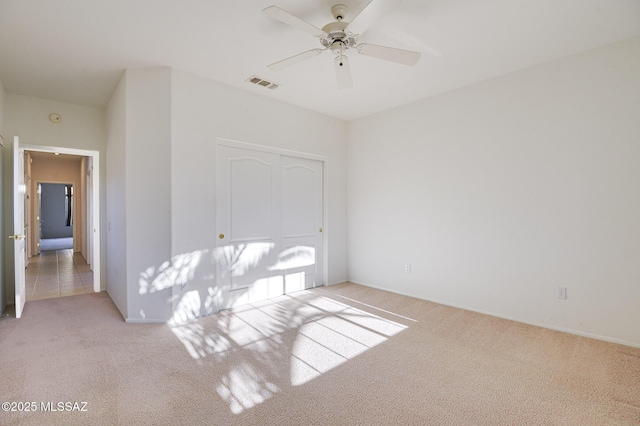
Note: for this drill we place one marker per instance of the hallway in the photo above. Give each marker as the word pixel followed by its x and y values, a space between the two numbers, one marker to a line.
pixel 57 273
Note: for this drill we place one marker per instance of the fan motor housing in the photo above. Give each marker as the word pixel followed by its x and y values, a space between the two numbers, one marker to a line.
pixel 336 32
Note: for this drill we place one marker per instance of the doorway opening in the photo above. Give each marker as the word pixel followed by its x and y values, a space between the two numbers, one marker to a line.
pixel 62 217
pixel 55 215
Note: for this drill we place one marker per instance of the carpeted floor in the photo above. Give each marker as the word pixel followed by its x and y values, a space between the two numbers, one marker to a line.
pixel 342 355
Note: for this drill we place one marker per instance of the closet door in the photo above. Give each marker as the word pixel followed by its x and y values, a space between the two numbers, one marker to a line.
pixel 269 219
pixel 248 225
pixel 300 258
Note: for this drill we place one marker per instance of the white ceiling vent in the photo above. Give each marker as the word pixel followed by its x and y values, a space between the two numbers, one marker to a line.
pixel 262 82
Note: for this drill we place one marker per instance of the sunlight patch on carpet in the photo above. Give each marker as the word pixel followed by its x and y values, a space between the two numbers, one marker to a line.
pixel 294 338
pixel 330 341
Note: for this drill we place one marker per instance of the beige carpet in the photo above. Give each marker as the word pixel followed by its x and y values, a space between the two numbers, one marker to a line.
pixel 343 355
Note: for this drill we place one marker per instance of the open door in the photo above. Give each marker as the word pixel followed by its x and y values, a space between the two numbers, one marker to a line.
pixel 19 190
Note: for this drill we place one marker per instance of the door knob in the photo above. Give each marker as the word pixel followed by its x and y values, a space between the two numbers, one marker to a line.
pixel 221 236
pixel 16 237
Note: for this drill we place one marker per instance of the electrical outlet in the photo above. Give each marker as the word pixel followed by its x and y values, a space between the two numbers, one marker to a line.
pixel 407 268
pixel 562 292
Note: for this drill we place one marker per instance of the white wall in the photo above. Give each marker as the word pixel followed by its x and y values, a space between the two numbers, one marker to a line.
pixel 500 192
pixel 81 128
pixel 139 193
pixel 148 191
pixel 204 110
pixel 116 229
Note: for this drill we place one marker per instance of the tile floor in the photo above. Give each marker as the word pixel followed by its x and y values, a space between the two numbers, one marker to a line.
pixel 57 273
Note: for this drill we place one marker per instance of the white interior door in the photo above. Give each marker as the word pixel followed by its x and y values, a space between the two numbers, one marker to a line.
pixel 269 219
pixel 300 259
pixel 18 236
pixel 247 195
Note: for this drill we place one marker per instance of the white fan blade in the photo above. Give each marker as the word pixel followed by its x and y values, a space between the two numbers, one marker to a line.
pixel 343 72
pixel 405 57
pixel 372 12
pixel 295 59
pixel 289 19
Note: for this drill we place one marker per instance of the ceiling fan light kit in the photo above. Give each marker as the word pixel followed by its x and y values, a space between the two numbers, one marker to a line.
pixel 336 37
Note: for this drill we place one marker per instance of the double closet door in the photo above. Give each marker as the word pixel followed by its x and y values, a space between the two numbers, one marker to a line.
pixel 269 220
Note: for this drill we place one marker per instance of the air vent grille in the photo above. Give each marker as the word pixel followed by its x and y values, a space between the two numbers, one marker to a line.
pixel 262 82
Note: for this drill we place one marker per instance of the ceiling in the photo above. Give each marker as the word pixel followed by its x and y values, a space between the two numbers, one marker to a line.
pixel 76 50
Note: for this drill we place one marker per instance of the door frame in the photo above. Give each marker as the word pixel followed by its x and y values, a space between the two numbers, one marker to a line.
pixel 325 194
pixel 93 204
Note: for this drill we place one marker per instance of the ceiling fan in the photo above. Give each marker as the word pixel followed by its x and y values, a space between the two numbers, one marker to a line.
pixel 340 36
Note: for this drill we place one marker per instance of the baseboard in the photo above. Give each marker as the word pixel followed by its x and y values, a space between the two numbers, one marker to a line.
pixel 143 321
pixel 338 282
pixel 510 318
